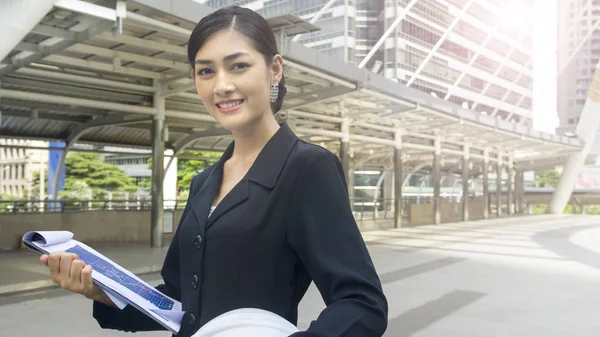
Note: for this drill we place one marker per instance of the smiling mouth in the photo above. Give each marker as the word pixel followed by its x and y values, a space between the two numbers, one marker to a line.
pixel 230 104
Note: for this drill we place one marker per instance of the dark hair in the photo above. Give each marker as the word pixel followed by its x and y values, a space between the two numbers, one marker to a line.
pixel 246 22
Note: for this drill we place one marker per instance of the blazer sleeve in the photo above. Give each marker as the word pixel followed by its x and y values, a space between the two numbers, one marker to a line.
pixel 324 234
pixel 130 319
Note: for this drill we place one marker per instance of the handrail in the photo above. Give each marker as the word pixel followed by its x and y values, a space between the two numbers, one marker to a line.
pixel 37 206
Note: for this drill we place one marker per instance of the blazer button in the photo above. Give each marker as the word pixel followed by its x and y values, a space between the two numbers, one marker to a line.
pixel 192 320
pixel 198 241
pixel 195 281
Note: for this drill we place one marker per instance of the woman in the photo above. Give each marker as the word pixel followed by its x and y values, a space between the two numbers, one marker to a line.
pixel 268 218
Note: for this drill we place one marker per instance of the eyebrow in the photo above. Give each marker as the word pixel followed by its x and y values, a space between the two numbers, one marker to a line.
pixel 226 58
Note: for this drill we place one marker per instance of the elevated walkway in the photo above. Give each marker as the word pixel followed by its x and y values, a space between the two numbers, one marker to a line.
pixel 95 74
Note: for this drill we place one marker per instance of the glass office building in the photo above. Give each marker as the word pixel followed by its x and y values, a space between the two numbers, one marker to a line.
pixel 576 19
pixel 475 53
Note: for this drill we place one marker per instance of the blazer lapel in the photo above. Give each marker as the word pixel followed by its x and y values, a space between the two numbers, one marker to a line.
pixel 236 196
pixel 264 171
pixel 202 201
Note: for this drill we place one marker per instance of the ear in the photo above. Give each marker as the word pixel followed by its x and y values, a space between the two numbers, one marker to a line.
pixel 193 74
pixel 276 69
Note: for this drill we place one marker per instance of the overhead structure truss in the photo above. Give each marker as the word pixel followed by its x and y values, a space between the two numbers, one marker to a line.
pixel 86 74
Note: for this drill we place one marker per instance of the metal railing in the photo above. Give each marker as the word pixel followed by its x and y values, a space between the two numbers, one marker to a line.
pixel 37 206
pixel 363 209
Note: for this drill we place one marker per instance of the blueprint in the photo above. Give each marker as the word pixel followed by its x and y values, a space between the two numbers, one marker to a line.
pixel 108 269
pixel 123 287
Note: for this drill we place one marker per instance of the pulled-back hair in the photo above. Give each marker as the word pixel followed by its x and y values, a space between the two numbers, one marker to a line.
pixel 243 21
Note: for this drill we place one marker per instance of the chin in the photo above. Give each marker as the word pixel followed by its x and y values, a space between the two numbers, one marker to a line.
pixel 238 122
pixel 233 124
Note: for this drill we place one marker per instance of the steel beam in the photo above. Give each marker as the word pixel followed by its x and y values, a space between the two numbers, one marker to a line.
pixel 78 37
pixel 587 129
pixel 77 132
pixel 437 181
pixel 398 180
pixel 18 18
pixel 499 186
pixel 465 184
pixel 158 169
pixel 191 138
pixel 345 141
pixel 88 9
pixel 142 43
pixel 519 191
pixel 69 78
pixel 486 185
pixel 509 187
pixel 126 56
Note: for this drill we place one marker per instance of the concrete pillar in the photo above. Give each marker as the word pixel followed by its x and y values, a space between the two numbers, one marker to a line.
pixel 388 185
pixel 170 179
pixel 345 157
pixel 509 184
pixel 465 184
pixel 158 168
pixel 519 191
pixel 486 184
pixel 351 185
pixel 398 179
pixel 436 173
pixel 499 185
pixel 345 147
pixel 586 131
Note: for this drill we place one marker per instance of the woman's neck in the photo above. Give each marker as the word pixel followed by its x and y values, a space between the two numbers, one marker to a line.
pixel 249 142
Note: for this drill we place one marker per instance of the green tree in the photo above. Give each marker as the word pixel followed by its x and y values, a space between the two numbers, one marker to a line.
pixel 188 168
pixel 546 178
pixel 4 196
pixel 96 174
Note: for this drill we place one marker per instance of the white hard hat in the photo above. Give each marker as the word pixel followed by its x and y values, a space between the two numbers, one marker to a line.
pixel 247 322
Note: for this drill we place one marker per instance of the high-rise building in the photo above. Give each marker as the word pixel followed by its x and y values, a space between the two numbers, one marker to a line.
pixel 475 53
pixel 578 54
pixel 18 165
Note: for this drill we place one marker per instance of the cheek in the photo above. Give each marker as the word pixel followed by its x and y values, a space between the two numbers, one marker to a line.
pixel 203 90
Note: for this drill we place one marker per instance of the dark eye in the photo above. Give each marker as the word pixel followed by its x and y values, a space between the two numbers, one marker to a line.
pixel 238 66
pixel 204 71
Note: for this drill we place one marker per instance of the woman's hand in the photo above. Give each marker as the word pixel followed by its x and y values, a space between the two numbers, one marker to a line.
pixel 72 274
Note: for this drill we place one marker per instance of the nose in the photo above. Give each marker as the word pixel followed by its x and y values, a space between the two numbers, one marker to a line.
pixel 223 86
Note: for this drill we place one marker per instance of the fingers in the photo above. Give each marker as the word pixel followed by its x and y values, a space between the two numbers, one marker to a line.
pixel 54 265
pixel 65 264
pixel 86 279
pixel 75 274
pixel 44 259
pixel 65 269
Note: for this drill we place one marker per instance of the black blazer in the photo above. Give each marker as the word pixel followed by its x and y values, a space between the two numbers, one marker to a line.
pixel 286 223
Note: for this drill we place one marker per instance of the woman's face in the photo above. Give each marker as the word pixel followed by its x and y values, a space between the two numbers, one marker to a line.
pixel 233 80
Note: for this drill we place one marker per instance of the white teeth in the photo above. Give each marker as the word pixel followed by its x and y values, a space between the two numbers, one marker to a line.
pixel 230 104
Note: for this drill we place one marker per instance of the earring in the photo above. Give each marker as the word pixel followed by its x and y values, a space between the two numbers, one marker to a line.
pixel 274 92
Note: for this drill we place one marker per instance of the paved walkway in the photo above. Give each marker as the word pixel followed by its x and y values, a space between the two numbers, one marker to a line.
pixel 518 277
pixel 22 270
